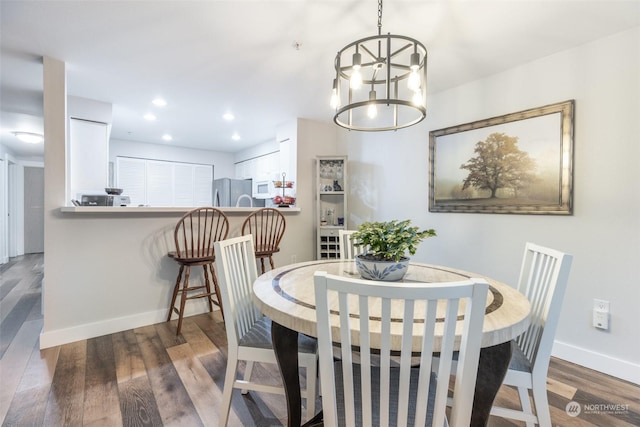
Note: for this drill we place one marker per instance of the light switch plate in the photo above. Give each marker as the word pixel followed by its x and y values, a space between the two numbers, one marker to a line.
pixel 601 319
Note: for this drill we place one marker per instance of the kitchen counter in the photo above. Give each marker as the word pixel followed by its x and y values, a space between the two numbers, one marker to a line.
pixel 151 209
pixel 111 270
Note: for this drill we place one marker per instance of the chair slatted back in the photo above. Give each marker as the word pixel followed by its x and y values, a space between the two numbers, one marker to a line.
pixel 197 230
pixel 347 249
pixel 345 309
pixel 267 226
pixel 236 269
pixel 543 279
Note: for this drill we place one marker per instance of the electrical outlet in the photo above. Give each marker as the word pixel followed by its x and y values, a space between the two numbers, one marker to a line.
pixel 601 305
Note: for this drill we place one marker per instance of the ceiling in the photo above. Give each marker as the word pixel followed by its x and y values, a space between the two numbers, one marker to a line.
pixel 267 62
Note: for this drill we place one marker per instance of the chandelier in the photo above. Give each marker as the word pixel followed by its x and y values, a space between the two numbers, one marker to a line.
pixel 380 82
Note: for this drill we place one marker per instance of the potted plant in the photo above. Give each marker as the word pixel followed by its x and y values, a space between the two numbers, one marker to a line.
pixel 385 247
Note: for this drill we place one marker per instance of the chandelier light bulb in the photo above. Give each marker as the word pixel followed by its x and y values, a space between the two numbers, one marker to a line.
pixel 372 109
pixel 335 99
pixel 356 79
pixel 413 83
pixel 417 98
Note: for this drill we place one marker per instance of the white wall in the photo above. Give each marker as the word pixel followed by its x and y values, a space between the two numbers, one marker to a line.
pixel 389 179
pixel 11 205
pixel 4 203
pixel 312 139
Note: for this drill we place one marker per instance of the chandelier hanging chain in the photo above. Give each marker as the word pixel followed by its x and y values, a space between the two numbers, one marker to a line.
pixel 379 17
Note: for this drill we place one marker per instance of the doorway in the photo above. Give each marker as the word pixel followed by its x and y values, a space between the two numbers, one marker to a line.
pixel 33 210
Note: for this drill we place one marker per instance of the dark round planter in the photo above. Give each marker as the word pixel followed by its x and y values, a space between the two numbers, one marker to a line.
pixel 388 271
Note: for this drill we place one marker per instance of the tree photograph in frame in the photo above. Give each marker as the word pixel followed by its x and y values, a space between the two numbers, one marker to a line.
pixel 519 163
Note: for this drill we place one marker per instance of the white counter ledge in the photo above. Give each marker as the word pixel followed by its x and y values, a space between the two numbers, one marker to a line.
pixel 150 209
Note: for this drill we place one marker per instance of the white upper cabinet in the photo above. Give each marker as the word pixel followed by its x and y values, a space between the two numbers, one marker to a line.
pixel 162 183
pixel 288 158
pixel 88 157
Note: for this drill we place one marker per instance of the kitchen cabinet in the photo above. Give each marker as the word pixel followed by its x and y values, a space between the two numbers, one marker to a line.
pixel 267 167
pixel 331 204
pixel 163 183
pixel 88 151
pixel 288 158
pixel 244 169
pixel 261 168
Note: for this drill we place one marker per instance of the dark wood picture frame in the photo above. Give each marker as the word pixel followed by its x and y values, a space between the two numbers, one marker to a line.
pixel 519 163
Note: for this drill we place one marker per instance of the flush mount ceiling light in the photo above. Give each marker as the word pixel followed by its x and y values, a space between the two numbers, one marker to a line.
pixel 29 137
pixel 381 82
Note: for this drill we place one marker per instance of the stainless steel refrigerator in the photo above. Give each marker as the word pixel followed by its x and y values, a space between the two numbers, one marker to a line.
pixel 229 192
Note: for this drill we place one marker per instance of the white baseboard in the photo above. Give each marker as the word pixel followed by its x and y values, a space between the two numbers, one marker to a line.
pixel 606 364
pixel 110 326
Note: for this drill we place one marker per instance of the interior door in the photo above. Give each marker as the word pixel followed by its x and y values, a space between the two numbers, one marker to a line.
pixel 33 210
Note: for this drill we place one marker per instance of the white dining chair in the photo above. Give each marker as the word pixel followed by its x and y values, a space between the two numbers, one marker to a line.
pixel 248 331
pixel 347 248
pixel 377 390
pixel 543 279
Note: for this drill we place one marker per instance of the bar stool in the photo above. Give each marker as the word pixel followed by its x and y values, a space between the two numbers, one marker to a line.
pixel 194 236
pixel 267 226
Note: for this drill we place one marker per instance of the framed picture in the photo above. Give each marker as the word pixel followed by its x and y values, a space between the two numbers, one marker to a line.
pixel 519 163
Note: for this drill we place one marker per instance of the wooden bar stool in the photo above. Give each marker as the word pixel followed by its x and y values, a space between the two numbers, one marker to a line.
pixel 267 226
pixel 194 236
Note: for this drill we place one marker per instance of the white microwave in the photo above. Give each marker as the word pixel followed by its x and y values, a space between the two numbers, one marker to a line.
pixel 262 189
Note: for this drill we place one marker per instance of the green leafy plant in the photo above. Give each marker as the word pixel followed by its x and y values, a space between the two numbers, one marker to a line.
pixel 390 240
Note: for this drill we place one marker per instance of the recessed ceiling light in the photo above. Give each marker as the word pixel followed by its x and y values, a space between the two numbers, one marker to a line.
pixel 167 137
pixel 150 117
pixel 159 102
pixel 235 137
pixel 29 137
pixel 228 117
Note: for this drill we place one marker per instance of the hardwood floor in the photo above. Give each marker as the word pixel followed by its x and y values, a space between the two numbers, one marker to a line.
pixel 148 376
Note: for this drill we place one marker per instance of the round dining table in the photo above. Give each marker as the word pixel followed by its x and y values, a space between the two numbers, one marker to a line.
pixel 286 296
